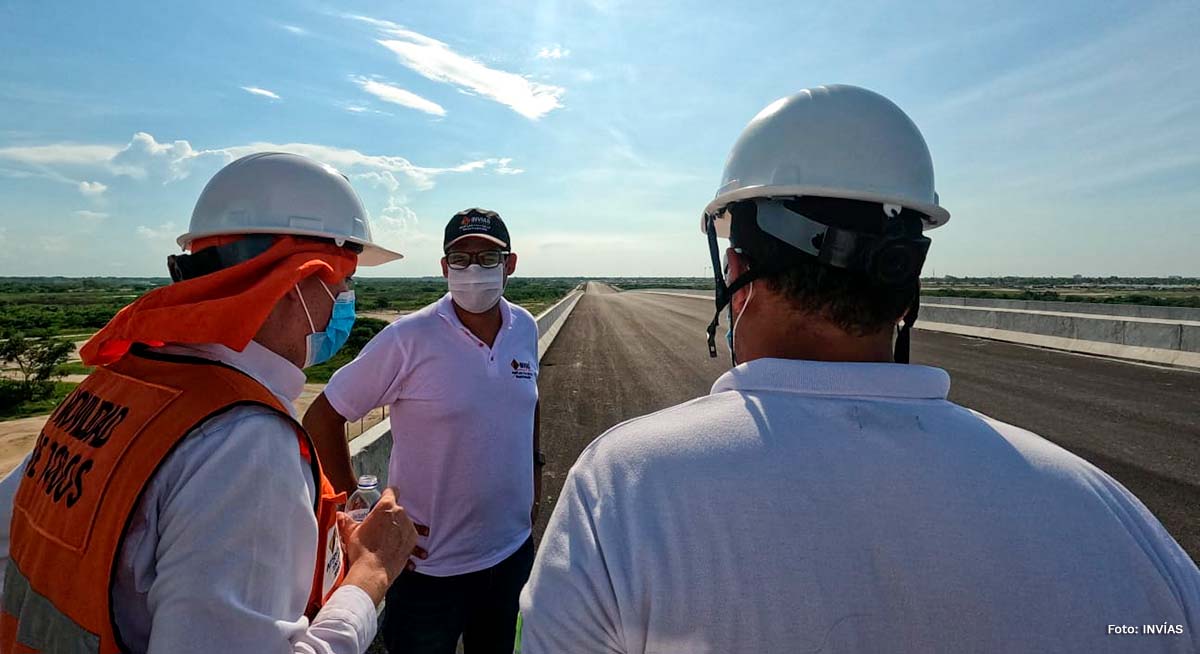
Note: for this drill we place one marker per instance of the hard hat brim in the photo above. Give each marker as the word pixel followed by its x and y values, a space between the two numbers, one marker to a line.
pixel 375 255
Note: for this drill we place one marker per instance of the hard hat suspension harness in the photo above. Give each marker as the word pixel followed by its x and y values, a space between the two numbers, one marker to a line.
pixel 219 257
pixel 893 258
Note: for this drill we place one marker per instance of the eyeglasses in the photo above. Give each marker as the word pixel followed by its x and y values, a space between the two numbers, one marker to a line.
pixel 486 259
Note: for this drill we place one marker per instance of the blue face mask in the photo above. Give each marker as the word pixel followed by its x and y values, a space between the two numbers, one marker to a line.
pixel 733 322
pixel 321 346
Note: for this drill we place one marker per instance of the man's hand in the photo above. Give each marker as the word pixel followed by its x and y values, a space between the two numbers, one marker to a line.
pixel 380 547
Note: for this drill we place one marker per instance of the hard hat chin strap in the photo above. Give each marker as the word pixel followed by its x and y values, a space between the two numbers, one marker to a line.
pixel 723 293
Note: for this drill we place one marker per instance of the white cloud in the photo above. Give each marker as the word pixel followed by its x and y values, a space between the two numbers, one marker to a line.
pixel 254 90
pixel 555 52
pixel 144 157
pixel 74 154
pixel 360 109
pixel 298 31
pixel 397 95
pixel 503 168
pixel 92 189
pixel 58 162
pixel 436 61
pixel 164 232
pixel 392 172
pixel 398 226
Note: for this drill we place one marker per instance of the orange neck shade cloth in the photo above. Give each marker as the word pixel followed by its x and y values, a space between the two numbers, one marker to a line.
pixel 226 307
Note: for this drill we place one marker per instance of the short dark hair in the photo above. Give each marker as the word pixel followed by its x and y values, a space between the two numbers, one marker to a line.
pixel 850 299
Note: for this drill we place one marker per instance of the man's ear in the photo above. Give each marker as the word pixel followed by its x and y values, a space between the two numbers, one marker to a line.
pixel 510 264
pixel 445 268
pixel 737 268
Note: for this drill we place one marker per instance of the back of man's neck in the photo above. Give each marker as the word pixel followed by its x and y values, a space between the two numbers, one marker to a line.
pixel 815 341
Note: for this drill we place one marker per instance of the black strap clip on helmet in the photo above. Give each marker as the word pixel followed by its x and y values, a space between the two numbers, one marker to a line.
pixel 893 258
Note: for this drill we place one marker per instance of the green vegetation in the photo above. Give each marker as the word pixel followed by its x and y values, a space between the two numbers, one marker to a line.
pixel 1054 296
pixel 536 294
pixel 638 283
pixel 39 307
pixel 28 387
pixel 64 306
pixel 74 368
pixel 409 294
pixel 55 306
pixel 1151 291
pixel 47 397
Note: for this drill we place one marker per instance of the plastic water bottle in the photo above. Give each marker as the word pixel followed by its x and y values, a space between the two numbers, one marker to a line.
pixel 363 499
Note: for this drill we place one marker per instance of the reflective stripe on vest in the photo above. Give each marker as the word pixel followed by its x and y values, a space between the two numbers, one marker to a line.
pixel 38 625
pixel 86 475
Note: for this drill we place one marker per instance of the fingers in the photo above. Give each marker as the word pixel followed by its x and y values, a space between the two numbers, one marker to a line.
pixel 410 566
pixel 420 553
pixel 387 504
pixel 345 525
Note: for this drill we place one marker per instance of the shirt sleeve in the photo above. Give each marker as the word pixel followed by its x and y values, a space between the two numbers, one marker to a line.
pixel 237 546
pixel 372 379
pixel 8 493
pixel 569 604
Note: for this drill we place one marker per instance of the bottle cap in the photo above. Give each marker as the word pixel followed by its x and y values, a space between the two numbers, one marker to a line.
pixel 367 481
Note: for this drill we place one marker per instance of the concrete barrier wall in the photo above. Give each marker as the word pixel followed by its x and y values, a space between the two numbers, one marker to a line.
pixel 1136 332
pixel 371 451
pixel 547 319
pixel 1157 340
pixel 1119 310
pixel 551 320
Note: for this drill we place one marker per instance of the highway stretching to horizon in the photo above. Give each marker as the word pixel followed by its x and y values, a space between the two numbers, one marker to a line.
pixel 624 354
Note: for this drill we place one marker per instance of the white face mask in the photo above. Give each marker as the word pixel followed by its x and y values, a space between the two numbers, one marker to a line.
pixel 475 288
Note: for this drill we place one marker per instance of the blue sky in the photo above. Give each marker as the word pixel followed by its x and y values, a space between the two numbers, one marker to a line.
pixel 1065 135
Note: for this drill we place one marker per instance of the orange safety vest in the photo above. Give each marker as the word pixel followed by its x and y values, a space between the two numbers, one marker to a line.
pixel 89 468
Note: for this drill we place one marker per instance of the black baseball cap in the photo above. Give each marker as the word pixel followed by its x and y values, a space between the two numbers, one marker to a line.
pixel 476 222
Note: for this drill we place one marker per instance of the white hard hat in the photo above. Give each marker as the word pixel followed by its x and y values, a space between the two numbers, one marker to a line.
pixel 831 141
pixel 283 193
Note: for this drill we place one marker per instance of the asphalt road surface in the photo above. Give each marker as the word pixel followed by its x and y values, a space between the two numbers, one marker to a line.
pixel 621 355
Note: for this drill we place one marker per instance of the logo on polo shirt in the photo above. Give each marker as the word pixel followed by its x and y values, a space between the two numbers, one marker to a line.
pixel 521 369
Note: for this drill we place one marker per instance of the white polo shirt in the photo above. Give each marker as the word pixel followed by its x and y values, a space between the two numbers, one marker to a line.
pixel 843 507
pixel 462 428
